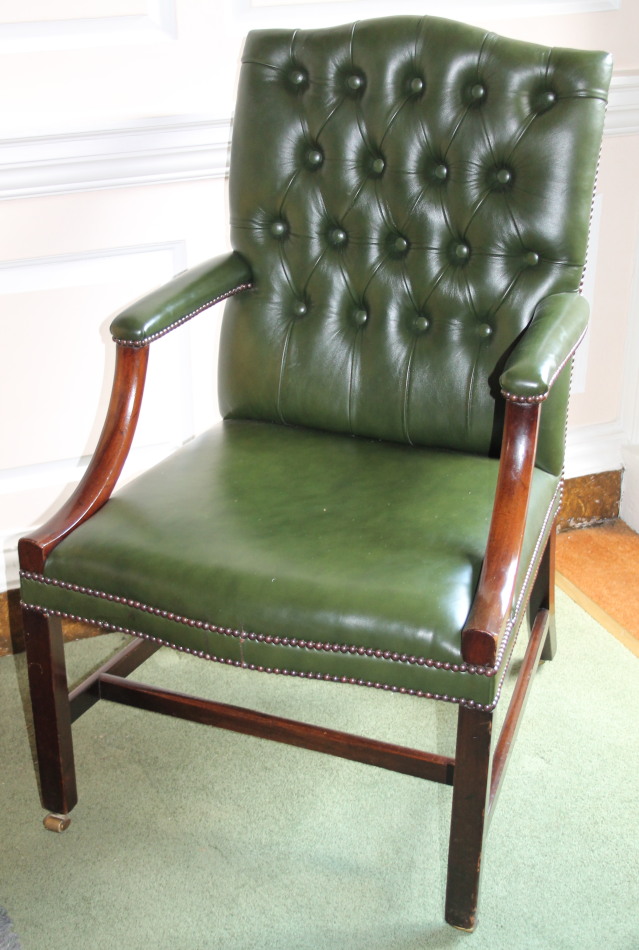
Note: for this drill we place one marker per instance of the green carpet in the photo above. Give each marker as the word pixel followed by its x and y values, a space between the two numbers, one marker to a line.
pixel 192 838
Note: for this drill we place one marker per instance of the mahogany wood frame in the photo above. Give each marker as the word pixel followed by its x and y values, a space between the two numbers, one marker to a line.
pixel 476 772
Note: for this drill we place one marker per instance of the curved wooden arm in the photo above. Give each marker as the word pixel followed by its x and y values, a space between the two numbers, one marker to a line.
pixel 104 468
pixel 493 599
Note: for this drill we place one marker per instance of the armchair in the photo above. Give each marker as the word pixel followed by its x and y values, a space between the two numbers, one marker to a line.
pixel 410 201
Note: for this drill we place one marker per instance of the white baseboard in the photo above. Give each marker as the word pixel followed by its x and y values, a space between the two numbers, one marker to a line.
pixel 592 449
pixel 630 487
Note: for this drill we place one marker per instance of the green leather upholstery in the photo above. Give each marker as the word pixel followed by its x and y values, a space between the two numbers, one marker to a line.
pixel 410 201
pixel 556 328
pixel 300 551
pixel 406 192
pixel 185 296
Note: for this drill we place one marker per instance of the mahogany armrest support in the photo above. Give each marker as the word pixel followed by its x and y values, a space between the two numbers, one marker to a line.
pixel 549 342
pixel 133 330
pixel 493 600
pixel 105 466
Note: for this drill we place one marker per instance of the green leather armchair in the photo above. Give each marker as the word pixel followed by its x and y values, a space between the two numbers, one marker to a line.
pixel 410 202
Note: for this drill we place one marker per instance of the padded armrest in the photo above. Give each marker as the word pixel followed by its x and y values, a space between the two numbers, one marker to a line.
pixel 187 294
pixel 557 326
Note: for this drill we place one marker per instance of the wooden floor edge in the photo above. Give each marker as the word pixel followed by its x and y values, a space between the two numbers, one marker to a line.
pixel 597 613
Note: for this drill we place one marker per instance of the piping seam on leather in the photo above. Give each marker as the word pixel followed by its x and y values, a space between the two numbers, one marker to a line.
pixel 137 344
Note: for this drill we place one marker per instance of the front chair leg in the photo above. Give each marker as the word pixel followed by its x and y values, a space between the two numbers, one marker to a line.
pixel 471 788
pixel 51 712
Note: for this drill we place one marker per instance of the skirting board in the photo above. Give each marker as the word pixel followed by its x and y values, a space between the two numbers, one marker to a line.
pixel 590 499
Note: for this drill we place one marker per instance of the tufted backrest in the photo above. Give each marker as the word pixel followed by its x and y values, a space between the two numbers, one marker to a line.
pixel 406 190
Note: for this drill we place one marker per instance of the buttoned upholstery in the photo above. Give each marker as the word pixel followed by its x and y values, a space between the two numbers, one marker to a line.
pixel 410 202
pixel 405 206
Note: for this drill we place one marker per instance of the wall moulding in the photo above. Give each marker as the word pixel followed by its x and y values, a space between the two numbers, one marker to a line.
pixel 622 117
pixel 138 152
pixel 157 24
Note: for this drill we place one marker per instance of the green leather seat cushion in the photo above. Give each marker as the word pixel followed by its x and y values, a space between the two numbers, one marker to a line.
pixel 296 551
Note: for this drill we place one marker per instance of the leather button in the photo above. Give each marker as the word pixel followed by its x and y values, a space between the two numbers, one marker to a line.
pixel 462 252
pixel 531 259
pixel 441 172
pixel 478 92
pixel 400 244
pixel 378 165
pixel 360 318
pixel 485 330
pixel 314 158
pixel 355 82
pixel 299 308
pixel 504 176
pixel 420 323
pixel 298 77
pixel 337 237
pixel 545 100
pixel 417 85
pixel 279 229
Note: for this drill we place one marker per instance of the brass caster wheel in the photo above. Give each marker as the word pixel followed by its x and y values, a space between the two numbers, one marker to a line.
pixel 56 823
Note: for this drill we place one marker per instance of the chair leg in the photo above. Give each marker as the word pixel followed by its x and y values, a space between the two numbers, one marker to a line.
pixel 471 789
pixel 543 595
pixel 51 711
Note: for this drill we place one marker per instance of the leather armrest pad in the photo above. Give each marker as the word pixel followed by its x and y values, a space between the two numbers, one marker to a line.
pixel 557 326
pixel 184 296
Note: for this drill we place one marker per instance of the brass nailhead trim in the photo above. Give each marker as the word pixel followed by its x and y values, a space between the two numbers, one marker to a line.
pixel 138 344
pixel 525 400
pixel 388 655
pixel 533 399
pixel 325 677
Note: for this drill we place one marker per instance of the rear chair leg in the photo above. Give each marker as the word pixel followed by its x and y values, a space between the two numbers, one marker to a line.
pixel 543 595
pixel 51 716
pixel 471 788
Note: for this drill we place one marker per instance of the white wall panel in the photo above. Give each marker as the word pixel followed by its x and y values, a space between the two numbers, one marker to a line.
pixel 33 11
pixel 54 321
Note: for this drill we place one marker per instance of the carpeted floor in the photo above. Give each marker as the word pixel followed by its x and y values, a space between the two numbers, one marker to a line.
pixel 196 839
pixel 8 937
